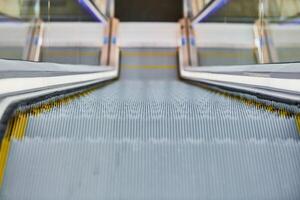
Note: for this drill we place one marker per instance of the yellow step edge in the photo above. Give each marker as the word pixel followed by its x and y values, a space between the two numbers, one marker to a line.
pixel 281 112
pixel 298 122
pixel 17 125
pixel 15 130
pixel 149 67
pixel 5 146
pixel 35 111
pixel 19 129
pixel 149 54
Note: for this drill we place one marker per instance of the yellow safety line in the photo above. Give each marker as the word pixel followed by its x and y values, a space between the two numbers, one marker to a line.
pixel 15 130
pixel 17 125
pixel 149 54
pixel 20 126
pixel 5 144
pixel 70 54
pixel 298 122
pixel 58 102
pixel 281 112
pixel 149 66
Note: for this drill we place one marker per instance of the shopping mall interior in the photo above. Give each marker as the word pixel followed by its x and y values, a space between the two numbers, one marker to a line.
pixel 149 99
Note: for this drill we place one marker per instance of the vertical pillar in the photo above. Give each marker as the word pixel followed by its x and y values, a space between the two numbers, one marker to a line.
pixel 34 44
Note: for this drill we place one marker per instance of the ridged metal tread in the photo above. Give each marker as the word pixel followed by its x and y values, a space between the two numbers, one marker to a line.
pixel 150 136
pixel 166 109
pixel 40 169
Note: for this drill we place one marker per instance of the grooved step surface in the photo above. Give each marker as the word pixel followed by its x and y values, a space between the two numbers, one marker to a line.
pixel 159 109
pixel 130 169
pixel 151 136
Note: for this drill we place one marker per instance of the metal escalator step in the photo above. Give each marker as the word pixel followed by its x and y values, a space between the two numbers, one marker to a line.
pixel 171 129
pixel 133 169
pixel 150 136
pixel 159 109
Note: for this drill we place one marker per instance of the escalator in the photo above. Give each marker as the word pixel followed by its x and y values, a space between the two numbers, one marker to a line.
pixel 150 134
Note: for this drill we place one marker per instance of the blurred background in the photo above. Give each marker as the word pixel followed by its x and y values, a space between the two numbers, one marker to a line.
pixel 223 31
